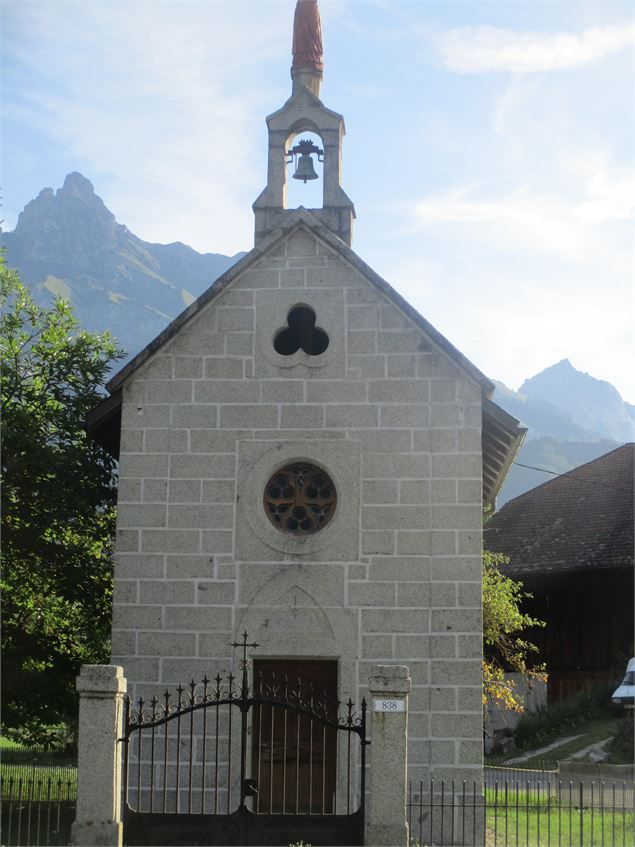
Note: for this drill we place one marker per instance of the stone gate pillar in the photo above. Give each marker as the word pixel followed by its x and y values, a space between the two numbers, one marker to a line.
pixel 98 818
pixel 389 686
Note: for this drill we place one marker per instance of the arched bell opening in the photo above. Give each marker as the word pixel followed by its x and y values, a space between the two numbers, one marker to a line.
pixel 304 171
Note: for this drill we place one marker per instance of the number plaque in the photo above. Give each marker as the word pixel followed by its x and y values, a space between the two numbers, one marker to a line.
pixel 381 705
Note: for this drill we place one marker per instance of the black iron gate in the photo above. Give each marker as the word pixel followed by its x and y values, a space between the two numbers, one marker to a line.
pixel 224 762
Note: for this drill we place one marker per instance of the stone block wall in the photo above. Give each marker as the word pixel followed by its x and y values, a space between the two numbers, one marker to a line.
pixel 394 578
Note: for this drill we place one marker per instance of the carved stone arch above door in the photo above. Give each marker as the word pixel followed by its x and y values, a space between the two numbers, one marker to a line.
pixel 296 613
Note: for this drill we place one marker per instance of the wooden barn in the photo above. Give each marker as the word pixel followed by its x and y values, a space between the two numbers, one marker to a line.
pixel 570 541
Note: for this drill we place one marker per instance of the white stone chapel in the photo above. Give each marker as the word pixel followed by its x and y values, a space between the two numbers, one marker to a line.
pixel 305 458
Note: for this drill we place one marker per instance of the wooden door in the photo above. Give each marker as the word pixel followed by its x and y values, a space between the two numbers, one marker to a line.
pixel 294 755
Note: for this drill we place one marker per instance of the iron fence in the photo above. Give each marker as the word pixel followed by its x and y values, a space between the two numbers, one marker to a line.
pixel 517 813
pixel 38 765
pixel 37 812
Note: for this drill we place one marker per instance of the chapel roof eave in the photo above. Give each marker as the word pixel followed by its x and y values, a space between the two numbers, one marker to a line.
pixel 502 437
pixel 103 424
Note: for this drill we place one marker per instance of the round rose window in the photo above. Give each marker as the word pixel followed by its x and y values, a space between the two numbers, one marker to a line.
pixel 300 499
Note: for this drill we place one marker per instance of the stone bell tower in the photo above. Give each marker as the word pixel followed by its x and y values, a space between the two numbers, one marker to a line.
pixel 305 112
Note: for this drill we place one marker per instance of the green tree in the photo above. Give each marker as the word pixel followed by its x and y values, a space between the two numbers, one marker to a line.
pixel 58 509
pixel 504 650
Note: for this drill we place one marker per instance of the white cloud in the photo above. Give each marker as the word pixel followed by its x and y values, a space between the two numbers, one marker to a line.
pixel 513 319
pixel 535 230
pixel 528 274
pixel 575 221
pixel 517 94
pixel 163 103
pixel 609 191
pixel 482 49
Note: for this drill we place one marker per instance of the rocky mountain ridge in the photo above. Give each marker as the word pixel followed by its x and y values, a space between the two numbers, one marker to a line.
pixel 594 404
pixel 571 417
pixel 68 243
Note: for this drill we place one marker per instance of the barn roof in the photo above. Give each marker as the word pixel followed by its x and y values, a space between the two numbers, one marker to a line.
pixel 580 521
pixel 502 433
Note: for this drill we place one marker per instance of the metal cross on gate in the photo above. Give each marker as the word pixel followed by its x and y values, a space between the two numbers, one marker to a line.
pixel 247 786
pixel 244 662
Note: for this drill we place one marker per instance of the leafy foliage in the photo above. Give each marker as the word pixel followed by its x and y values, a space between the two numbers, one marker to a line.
pixel 58 508
pixel 504 650
pixel 622 746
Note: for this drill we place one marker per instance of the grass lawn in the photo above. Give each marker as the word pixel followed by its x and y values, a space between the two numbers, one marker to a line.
pixel 530 822
pixel 35 774
pixel 7 744
pixel 520 818
pixel 559 827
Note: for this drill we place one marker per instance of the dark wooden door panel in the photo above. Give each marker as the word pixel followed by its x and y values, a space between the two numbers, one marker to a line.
pixel 294 756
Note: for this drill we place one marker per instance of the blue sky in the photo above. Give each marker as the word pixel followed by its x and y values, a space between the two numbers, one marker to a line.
pixel 489 148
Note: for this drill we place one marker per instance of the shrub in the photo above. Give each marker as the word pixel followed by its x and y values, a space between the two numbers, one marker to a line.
pixel 621 745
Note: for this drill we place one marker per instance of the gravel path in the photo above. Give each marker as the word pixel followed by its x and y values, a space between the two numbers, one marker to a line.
pixel 536 753
pixel 595 752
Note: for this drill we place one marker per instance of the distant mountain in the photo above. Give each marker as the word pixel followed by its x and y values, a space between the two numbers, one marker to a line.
pixel 68 243
pixel 594 404
pixel 540 416
pixel 571 417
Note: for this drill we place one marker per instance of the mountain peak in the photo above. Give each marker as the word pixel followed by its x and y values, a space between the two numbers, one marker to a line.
pixel 593 403
pixel 70 224
pixel 67 241
pixel 77 184
pixel 563 370
pixel 559 370
pixel 563 364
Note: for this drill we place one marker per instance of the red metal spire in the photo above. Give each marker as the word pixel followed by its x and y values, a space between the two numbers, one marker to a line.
pixel 307 38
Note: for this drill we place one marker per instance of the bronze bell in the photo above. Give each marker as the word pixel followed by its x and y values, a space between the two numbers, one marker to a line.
pixel 305 169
